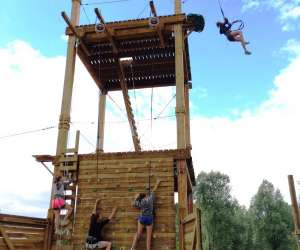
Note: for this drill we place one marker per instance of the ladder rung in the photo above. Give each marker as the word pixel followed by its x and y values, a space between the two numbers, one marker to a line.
pixel 68 158
pixel 71 188
pixel 68 168
pixel 70 197
pixel 71 150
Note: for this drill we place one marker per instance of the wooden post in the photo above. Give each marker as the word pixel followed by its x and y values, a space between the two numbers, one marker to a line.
pixel 180 119
pixel 199 228
pixel 6 239
pixel 179 69
pixel 182 197
pixel 187 117
pixel 64 120
pixel 295 208
pixel 101 121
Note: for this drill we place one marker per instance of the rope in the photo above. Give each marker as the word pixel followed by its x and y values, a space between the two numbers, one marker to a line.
pixel 151 110
pixel 27 132
pixel 149 179
pixel 139 15
pixel 105 2
pixel 221 9
pixel 158 116
pixel 122 111
pixel 83 136
pixel 133 84
pixel 87 17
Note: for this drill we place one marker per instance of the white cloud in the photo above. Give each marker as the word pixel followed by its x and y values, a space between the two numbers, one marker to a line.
pixel 289 11
pixel 257 144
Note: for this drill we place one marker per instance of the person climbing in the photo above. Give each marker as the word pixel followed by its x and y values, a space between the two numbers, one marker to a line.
pixel 146 204
pixel 97 222
pixel 233 36
pixel 59 202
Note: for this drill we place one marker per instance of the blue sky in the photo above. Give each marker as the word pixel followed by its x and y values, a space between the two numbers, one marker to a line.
pixel 229 78
pixel 243 108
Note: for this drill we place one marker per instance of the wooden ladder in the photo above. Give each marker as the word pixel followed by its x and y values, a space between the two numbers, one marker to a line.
pixel 68 165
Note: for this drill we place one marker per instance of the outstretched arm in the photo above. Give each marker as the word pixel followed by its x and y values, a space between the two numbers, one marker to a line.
pixel 156 186
pixel 113 213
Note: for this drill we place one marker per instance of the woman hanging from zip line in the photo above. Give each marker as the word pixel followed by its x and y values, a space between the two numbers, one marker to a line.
pixel 233 35
pixel 145 202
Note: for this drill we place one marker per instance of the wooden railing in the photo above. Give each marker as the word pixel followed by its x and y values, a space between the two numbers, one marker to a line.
pixel 19 232
pixel 191 231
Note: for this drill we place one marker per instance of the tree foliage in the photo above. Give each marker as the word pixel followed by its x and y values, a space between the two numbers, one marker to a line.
pixel 226 225
pixel 271 219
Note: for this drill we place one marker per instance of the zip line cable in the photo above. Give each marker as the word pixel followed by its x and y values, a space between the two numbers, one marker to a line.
pixel 105 2
pixel 159 114
pixel 83 136
pixel 86 15
pixel 139 15
pixel 27 132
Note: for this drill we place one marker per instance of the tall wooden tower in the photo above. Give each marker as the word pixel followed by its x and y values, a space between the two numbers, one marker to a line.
pixel 106 50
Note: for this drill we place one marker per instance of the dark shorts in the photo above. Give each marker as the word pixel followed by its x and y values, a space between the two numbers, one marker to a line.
pixel 230 37
pixel 146 220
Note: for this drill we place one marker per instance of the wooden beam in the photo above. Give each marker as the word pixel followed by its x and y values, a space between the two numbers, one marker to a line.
pixel 6 239
pixel 64 120
pixel 187 116
pixel 295 207
pixel 152 7
pixel 81 44
pixel 179 68
pixel 169 22
pixel 107 31
pixel 159 26
pixel 199 229
pixel 101 121
pixel 128 107
pixel 90 69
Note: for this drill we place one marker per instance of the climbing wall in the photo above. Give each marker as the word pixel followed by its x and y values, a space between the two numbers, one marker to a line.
pixel 115 180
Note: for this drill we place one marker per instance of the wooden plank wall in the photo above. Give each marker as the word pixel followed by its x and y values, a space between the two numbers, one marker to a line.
pixel 189 233
pixel 23 232
pixel 115 183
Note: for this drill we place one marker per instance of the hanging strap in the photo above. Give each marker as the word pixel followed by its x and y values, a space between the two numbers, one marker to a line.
pixel 221 9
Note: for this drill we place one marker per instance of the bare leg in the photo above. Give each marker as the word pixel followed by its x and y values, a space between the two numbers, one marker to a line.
pixel 149 236
pixel 105 244
pixel 70 210
pixel 137 235
pixel 239 37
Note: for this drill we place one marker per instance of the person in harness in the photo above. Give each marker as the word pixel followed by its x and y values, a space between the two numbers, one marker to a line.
pixel 233 36
pixel 97 222
pixel 146 204
pixel 58 201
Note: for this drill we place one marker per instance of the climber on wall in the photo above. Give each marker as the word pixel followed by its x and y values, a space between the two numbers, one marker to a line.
pixel 146 204
pixel 59 202
pixel 97 222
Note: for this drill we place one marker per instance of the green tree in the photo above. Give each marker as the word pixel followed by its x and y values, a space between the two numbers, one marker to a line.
pixel 271 220
pixel 225 223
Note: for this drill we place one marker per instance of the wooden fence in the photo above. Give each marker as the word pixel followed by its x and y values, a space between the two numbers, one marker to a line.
pixel 19 232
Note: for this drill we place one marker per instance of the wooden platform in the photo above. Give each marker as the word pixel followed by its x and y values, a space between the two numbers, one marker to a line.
pixel 20 232
pixel 152 50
